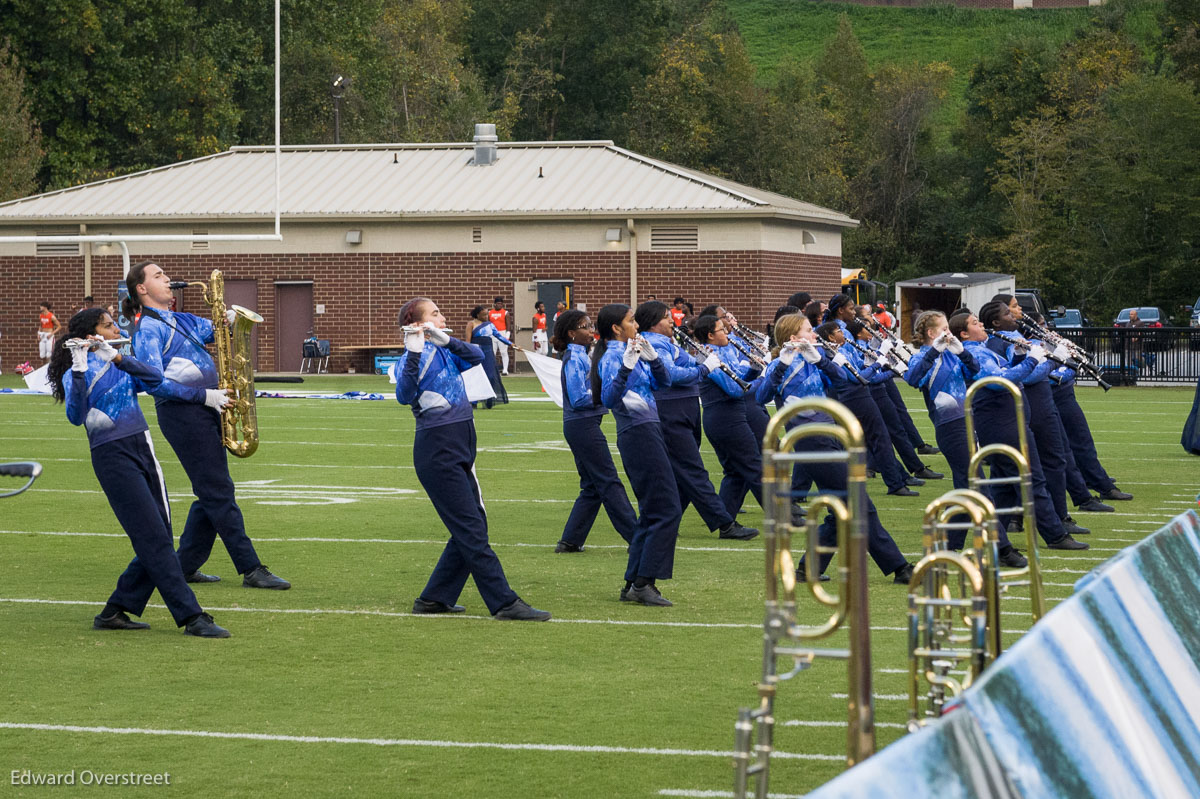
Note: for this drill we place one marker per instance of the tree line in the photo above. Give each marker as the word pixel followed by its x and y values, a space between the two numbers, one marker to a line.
pixel 1073 165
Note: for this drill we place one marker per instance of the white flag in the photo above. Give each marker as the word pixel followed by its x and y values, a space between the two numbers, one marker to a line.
pixel 475 380
pixel 36 380
pixel 549 372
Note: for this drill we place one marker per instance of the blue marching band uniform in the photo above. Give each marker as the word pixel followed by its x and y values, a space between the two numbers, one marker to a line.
pixel 656 404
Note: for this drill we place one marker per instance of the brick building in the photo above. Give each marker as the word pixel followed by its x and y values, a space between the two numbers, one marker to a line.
pixel 365 227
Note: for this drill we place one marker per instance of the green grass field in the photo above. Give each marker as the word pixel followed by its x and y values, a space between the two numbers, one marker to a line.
pixel 438 706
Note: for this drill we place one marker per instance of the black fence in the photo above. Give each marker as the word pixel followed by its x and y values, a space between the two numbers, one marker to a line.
pixel 1127 356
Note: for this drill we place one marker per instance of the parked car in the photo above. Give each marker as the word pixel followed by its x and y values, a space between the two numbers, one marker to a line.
pixel 1070 318
pixel 1153 317
pixel 1196 313
pixel 1030 301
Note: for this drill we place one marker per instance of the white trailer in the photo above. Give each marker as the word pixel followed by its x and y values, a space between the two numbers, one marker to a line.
pixel 945 292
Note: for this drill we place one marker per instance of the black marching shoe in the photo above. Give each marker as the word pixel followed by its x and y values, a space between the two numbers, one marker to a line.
pixel 424 607
pixel 802 576
pixel 928 474
pixel 1011 558
pixel 625 593
pixel 648 595
pixel 737 532
pixel 118 621
pixel 904 491
pixel 913 480
pixel 903 575
pixel 1015 527
pixel 201 577
pixel 1074 529
pixel 870 473
pixel 563 546
pixel 519 610
pixel 926 449
pixel 203 626
pixel 1094 505
pixel 1066 542
pixel 1117 494
pixel 260 577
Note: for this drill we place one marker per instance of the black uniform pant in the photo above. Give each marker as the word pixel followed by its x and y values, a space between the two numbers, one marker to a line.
pixel 444 458
pixel 681 426
pixel 132 480
pixel 644 455
pixel 895 427
pixel 599 484
pixel 1047 430
pixel 1079 438
pixel 879 444
pixel 194 432
pixel 739 452
pixel 910 428
pixel 951 439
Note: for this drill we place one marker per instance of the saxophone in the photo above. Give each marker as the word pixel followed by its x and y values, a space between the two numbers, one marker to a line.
pixel 239 421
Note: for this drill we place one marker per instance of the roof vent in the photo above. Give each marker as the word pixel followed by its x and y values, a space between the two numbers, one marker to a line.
pixel 485 144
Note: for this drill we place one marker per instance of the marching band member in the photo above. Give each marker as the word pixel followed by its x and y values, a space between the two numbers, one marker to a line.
pixel 485 336
pixel 1043 414
pixel 540 345
pixel 444 458
pixel 996 414
pixel 856 396
pixel 756 415
pixel 940 370
pixel 725 418
pixel 801 370
pixel 100 387
pixel 625 370
pixel 679 416
pixel 582 414
pixel 173 342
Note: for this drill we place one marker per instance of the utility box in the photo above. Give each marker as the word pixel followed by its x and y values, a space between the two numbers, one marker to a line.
pixel 946 292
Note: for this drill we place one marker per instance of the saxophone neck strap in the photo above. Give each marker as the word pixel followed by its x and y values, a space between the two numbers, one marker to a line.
pixel 153 312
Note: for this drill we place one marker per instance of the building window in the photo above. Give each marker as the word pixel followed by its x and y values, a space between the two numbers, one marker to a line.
pixel 685 237
pixel 200 245
pixel 476 235
pixel 50 248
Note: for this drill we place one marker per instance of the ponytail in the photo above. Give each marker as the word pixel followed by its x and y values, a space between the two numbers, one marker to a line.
pixel 82 325
pixel 609 316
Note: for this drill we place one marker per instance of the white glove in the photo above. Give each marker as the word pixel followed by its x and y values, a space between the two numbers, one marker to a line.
pixel 216 398
pixel 414 341
pixel 787 354
pixel 630 358
pixel 646 351
pixel 438 336
pixel 886 346
pixel 1037 352
pixel 871 356
pixel 810 353
pixel 940 343
pixel 1062 352
pixel 839 359
pixel 230 316
pixel 712 363
pixel 79 359
pixel 955 345
pixel 105 352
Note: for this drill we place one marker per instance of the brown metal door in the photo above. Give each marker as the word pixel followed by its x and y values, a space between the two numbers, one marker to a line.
pixel 245 294
pixel 293 323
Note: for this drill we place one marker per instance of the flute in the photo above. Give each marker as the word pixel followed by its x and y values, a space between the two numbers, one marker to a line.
pixel 89 343
pixel 423 329
pixel 701 352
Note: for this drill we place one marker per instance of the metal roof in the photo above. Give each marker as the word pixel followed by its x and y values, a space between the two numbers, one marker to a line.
pixel 588 178
pixel 956 279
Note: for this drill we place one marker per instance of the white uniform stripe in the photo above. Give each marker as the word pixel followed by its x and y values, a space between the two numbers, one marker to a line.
pixel 162 484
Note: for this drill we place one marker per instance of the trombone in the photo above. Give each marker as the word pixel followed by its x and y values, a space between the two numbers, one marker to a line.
pixel 1030 575
pixel 783 635
pixel 936 600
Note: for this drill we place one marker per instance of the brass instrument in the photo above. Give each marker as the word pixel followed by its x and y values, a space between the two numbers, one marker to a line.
pixel 1030 575
pixel 235 369
pixel 782 632
pixel 937 603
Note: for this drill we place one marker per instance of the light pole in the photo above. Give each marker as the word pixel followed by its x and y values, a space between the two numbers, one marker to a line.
pixel 338 90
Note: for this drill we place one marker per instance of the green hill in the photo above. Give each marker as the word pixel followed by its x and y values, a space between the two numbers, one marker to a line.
pixel 773 29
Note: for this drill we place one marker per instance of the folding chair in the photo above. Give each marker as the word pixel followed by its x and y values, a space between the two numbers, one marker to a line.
pixel 323 353
pixel 311 353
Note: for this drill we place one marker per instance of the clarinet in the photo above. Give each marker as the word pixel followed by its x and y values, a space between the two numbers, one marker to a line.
pixel 701 352
pixel 1024 345
pixel 754 359
pixel 832 350
pixel 753 338
pixel 898 345
pixel 1086 365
